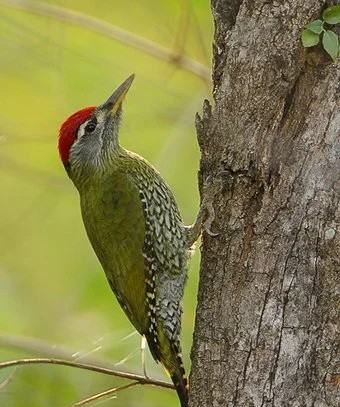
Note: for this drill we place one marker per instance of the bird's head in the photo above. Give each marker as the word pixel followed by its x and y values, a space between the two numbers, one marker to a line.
pixel 90 136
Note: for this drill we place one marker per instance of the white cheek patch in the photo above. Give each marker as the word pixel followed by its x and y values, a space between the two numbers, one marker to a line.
pixel 81 130
pixel 89 149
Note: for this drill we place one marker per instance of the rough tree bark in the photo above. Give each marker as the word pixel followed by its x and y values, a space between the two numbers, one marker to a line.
pixel 267 324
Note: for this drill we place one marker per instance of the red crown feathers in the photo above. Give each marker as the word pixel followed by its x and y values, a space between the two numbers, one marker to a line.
pixel 68 131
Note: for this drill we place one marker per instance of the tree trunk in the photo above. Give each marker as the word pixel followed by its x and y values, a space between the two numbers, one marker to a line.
pixel 267 324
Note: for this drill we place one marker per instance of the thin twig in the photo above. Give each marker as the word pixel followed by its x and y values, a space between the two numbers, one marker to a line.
pixel 98 369
pixel 43 349
pixel 7 381
pixel 111 31
pixel 109 392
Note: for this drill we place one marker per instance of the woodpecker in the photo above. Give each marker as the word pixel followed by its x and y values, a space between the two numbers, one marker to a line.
pixel 135 228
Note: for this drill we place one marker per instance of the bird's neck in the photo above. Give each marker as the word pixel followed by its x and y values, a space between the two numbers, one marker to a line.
pixel 97 169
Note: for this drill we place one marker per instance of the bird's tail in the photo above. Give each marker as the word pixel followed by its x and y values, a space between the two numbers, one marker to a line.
pixel 179 379
pixel 169 354
pixel 172 361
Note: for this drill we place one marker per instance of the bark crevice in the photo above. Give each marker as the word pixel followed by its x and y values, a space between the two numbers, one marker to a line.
pixel 266 329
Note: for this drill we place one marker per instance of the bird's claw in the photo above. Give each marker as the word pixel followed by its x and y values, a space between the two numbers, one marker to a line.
pixel 210 219
pixel 209 232
pixel 206 214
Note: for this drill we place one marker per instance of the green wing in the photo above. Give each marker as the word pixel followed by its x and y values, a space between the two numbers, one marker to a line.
pixel 114 221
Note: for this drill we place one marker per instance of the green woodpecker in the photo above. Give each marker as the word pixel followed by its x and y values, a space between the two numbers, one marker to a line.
pixel 134 226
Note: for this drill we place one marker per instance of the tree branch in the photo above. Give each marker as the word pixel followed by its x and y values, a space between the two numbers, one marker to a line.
pixel 98 369
pixel 61 356
pixel 112 31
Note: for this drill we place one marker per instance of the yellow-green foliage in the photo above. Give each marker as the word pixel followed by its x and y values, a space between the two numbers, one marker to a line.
pixel 51 284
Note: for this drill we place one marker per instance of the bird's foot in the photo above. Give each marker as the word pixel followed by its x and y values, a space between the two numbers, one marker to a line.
pixel 211 187
pixel 206 215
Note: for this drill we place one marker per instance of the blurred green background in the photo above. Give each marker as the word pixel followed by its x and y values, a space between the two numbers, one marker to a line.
pixel 51 285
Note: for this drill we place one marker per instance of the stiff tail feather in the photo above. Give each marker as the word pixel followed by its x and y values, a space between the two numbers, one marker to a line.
pixel 170 357
pixel 178 377
pixel 181 385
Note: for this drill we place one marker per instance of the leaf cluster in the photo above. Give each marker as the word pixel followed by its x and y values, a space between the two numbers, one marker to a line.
pixel 321 30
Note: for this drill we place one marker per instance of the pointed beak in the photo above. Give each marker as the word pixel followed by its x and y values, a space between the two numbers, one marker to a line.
pixel 115 100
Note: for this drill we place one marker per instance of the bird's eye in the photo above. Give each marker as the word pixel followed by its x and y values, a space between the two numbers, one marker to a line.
pixel 90 127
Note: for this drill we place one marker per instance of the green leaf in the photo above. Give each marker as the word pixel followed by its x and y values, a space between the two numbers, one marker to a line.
pixel 332 15
pixel 330 42
pixel 309 39
pixel 315 26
